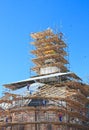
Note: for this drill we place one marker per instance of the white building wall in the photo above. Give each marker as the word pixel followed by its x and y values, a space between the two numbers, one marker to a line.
pixel 49 70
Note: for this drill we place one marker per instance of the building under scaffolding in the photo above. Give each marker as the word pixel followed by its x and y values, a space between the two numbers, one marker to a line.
pixel 61 101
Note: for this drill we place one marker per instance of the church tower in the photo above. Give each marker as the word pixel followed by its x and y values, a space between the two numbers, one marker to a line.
pixel 50 52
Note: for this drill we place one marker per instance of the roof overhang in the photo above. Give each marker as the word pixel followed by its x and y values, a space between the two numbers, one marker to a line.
pixel 23 83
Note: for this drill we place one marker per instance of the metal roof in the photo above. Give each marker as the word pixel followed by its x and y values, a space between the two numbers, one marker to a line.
pixel 23 83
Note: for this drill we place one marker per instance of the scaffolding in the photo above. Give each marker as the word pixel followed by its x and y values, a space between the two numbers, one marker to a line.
pixel 61 103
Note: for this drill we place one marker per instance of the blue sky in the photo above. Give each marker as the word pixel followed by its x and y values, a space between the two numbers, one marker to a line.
pixel 19 18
